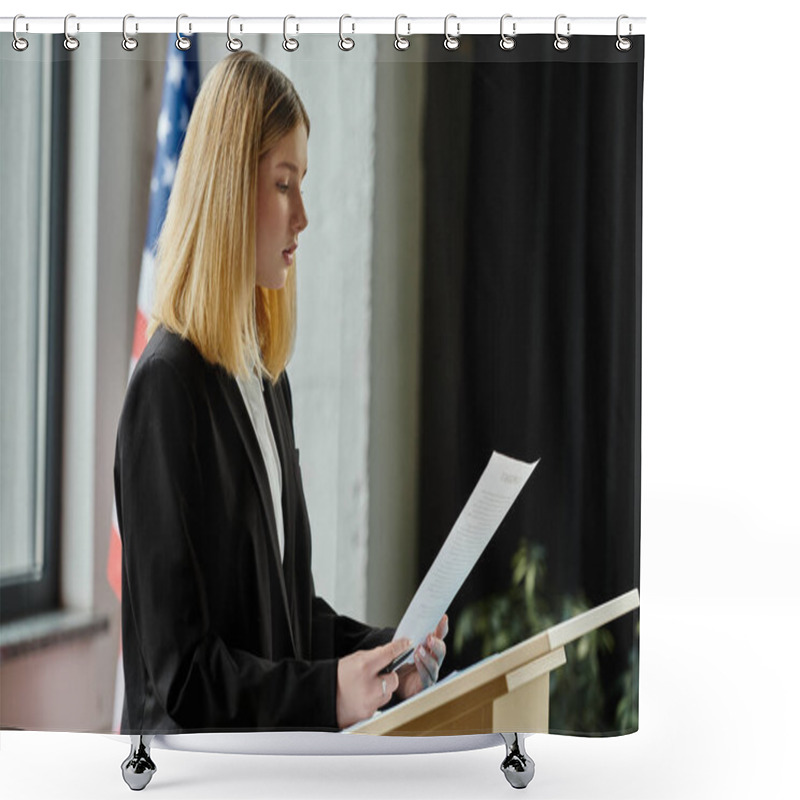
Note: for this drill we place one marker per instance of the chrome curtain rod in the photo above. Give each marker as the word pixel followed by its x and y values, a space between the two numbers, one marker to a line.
pixel 350 25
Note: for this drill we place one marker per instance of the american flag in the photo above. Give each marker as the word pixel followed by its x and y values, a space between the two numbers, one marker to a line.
pixel 181 82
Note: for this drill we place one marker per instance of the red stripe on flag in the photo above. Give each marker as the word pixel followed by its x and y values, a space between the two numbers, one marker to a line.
pixel 139 334
pixel 114 564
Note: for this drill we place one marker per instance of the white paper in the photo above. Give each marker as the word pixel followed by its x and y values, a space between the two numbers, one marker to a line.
pixel 492 497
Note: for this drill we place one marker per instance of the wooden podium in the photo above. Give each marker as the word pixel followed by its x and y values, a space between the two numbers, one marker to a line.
pixel 509 691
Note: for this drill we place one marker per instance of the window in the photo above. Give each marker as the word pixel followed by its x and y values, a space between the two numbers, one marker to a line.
pixel 33 137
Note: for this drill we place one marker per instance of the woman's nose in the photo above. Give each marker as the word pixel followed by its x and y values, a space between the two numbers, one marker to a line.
pixel 300 218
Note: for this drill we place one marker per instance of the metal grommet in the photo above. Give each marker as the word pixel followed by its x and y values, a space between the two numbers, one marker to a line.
pixel 623 44
pixel 345 42
pixel 400 42
pixel 18 43
pixel 128 42
pixel 451 42
pixel 181 42
pixel 507 42
pixel 561 42
pixel 70 42
pixel 290 45
pixel 234 45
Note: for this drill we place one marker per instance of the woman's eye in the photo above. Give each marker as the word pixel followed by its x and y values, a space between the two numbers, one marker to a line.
pixel 284 187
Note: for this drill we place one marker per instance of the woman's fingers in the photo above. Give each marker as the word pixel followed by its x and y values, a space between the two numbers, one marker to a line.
pixel 386 686
pixel 428 663
pixel 424 667
pixel 360 689
pixel 430 655
pixel 437 647
pixel 380 657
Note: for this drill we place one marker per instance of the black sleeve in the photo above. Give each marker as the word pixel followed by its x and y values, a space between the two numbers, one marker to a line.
pixel 342 635
pixel 168 643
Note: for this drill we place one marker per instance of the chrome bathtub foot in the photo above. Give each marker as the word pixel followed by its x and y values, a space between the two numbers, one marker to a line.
pixel 518 766
pixel 138 768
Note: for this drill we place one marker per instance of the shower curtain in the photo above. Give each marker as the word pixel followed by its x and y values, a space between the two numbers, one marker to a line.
pixel 469 283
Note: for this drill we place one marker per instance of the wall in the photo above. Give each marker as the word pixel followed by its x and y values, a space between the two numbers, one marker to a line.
pixel 395 338
pixel 69 685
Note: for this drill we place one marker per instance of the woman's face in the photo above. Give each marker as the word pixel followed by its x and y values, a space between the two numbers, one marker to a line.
pixel 280 214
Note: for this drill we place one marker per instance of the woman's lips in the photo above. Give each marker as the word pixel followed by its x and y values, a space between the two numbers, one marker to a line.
pixel 288 255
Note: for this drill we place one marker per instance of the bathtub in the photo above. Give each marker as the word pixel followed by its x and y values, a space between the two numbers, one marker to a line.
pixel 139 766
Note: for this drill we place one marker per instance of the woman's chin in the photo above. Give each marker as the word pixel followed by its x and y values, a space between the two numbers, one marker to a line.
pixel 274 282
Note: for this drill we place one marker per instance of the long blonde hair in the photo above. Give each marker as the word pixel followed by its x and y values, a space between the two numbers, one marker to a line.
pixel 205 265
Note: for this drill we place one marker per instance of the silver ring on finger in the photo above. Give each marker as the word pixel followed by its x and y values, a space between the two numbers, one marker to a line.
pixel 383 686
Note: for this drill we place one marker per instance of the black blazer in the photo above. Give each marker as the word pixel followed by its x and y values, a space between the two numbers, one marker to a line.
pixel 216 633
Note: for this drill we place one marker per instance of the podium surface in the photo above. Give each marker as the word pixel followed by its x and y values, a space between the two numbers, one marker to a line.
pixel 509 691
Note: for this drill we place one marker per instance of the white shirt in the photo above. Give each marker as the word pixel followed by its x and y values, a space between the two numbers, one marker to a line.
pixel 251 389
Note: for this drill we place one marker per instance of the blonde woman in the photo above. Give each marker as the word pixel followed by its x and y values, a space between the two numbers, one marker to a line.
pixel 221 626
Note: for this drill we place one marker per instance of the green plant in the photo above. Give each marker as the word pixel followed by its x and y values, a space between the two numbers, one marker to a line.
pixel 627 714
pixel 499 621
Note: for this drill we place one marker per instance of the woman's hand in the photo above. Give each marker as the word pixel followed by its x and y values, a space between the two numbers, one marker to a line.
pixel 428 659
pixel 360 691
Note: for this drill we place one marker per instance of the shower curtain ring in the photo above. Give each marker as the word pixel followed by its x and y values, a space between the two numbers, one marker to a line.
pixel 70 42
pixel 234 45
pixel 507 42
pixel 400 42
pixel 623 44
pixel 181 42
pixel 451 42
pixel 289 44
pixel 128 42
pixel 561 42
pixel 345 42
pixel 18 43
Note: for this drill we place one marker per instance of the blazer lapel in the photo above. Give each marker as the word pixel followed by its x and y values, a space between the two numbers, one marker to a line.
pixel 283 440
pixel 245 427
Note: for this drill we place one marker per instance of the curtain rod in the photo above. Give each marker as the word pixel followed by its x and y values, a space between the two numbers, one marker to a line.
pixel 349 25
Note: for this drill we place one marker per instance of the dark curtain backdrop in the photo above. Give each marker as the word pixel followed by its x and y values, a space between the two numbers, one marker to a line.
pixel 532 311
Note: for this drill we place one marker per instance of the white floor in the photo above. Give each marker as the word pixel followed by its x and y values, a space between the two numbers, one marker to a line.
pixel 719 711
